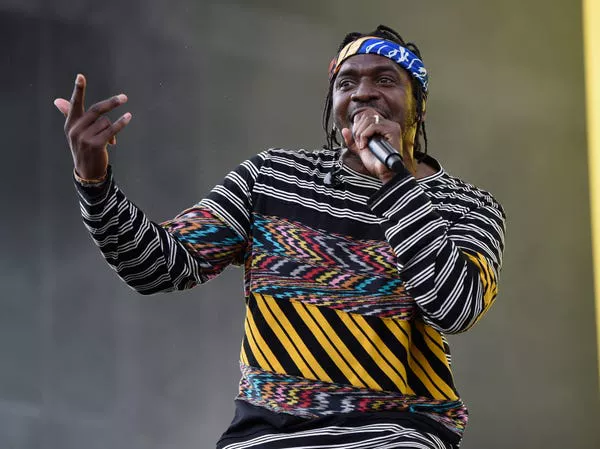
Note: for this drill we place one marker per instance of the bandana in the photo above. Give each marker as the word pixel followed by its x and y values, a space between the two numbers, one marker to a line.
pixel 377 46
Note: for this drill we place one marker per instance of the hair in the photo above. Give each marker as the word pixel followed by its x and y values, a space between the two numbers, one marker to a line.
pixel 419 93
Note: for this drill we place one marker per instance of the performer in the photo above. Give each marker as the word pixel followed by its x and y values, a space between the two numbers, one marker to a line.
pixel 353 273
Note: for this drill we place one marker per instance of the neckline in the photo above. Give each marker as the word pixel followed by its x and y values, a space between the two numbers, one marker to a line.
pixel 431 161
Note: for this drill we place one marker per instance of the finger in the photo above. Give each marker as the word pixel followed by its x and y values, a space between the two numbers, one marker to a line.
pixel 116 127
pixel 112 140
pixel 361 123
pixel 368 132
pixel 102 107
pixel 98 126
pixel 349 139
pixel 77 98
pixel 390 132
pixel 63 106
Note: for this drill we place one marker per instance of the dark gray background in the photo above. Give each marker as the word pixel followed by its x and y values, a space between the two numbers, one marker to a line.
pixel 87 363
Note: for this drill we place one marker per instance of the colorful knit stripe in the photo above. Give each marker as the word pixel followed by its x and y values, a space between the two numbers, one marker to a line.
pixel 293 261
pixel 297 396
pixel 208 238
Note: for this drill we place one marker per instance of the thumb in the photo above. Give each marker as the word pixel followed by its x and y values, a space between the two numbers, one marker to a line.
pixel 349 139
pixel 62 105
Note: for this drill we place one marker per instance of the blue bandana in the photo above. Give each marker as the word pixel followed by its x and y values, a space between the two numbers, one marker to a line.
pixel 382 47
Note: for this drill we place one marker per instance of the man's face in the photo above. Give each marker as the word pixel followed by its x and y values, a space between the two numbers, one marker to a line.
pixel 372 81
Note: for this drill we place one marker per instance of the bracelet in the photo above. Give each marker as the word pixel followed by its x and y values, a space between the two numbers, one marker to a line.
pixel 89 182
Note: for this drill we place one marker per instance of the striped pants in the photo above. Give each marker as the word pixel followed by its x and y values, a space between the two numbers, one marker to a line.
pixel 370 436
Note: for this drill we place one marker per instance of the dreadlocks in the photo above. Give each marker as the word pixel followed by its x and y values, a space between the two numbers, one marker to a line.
pixel 383 32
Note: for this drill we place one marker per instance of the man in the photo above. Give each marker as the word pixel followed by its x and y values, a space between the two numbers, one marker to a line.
pixel 353 272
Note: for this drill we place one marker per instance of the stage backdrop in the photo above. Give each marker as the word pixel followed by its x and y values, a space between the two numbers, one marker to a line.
pixel 86 362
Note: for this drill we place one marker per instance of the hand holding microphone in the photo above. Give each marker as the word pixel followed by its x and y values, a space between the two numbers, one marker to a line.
pixel 377 142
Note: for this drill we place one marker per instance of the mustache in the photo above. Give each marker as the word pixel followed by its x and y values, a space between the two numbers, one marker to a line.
pixel 368 105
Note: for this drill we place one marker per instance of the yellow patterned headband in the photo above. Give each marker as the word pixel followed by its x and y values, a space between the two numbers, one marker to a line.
pixel 382 47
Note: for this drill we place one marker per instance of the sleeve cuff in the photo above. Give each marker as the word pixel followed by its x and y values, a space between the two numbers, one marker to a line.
pixel 94 193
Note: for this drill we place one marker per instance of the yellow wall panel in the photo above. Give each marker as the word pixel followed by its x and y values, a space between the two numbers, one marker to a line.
pixel 591 30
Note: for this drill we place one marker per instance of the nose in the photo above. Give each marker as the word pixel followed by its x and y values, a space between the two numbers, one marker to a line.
pixel 365 91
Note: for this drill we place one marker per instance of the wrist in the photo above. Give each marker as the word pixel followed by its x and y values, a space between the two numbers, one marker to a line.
pixel 386 177
pixel 89 181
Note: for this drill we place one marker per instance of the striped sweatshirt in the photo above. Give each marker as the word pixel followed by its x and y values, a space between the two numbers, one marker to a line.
pixel 349 286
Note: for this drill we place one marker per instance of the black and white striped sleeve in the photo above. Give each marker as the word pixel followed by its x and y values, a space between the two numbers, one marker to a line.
pixel 190 249
pixel 451 269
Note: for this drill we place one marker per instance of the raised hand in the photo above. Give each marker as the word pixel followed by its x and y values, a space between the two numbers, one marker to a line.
pixel 89 132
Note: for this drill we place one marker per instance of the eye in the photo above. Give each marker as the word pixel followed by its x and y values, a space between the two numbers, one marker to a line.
pixel 344 83
pixel 386 80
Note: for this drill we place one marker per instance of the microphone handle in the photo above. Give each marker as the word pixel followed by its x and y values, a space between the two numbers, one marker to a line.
pixel 386 154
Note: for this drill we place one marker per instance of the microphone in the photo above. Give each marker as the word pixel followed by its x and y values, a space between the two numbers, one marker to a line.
pixel 386 153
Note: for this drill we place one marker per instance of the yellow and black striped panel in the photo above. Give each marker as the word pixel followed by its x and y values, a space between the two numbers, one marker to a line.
pixel 488 281
pixel 320 343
